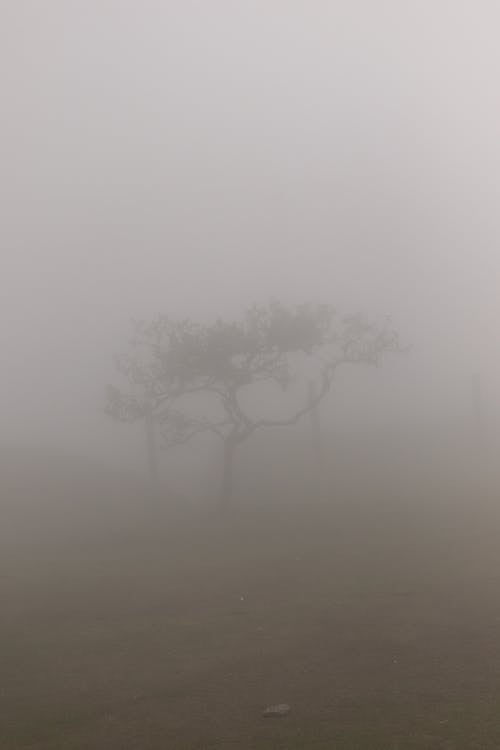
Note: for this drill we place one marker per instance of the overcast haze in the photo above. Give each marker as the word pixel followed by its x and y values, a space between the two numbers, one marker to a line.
pixel 193 157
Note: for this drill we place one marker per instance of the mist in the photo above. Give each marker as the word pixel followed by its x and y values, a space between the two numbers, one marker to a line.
pixel 193 160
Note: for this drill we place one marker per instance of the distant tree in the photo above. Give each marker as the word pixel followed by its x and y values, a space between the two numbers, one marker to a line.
pixel 172 361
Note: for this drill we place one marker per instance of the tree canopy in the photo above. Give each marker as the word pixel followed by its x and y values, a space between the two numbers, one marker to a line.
pixel 170 360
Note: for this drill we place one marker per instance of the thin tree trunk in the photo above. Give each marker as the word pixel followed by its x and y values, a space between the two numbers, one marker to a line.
pixel 151 451
pixel 226 495
pixel 316 436
pixel 317 443
pixel 478 412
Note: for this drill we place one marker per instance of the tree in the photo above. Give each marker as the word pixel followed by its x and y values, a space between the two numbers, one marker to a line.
pixel 172 361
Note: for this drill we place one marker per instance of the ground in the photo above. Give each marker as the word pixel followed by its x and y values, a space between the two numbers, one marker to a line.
pixel 379 624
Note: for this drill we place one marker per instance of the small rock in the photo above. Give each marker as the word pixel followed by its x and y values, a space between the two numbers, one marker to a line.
pixel 281 709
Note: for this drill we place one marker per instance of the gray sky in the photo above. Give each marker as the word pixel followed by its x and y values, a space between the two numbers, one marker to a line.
pixel 191 157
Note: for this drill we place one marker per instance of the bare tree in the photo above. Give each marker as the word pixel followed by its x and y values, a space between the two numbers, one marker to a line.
pixel 170 362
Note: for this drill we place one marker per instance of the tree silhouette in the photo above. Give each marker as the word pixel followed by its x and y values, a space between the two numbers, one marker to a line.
pixel 171 361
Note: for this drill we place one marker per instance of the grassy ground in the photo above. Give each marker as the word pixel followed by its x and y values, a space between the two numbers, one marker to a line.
pixel 379 624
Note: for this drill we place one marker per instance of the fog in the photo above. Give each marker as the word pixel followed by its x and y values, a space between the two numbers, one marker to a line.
pixel 193 159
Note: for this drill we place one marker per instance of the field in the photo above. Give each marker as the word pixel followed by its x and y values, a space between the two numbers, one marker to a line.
pixel 377 622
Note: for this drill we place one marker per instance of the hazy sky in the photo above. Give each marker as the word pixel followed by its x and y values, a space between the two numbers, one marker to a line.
pixel 195 156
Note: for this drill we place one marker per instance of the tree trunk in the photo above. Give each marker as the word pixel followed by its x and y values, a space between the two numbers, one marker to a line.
pixel 152 455
pixel 226 494
pixel 317 444
pixel 316 436
pixel 478 426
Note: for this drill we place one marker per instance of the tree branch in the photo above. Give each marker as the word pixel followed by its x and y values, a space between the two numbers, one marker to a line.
pixel 326 381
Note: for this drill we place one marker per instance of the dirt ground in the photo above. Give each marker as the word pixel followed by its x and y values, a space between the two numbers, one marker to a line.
pixel 378 624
